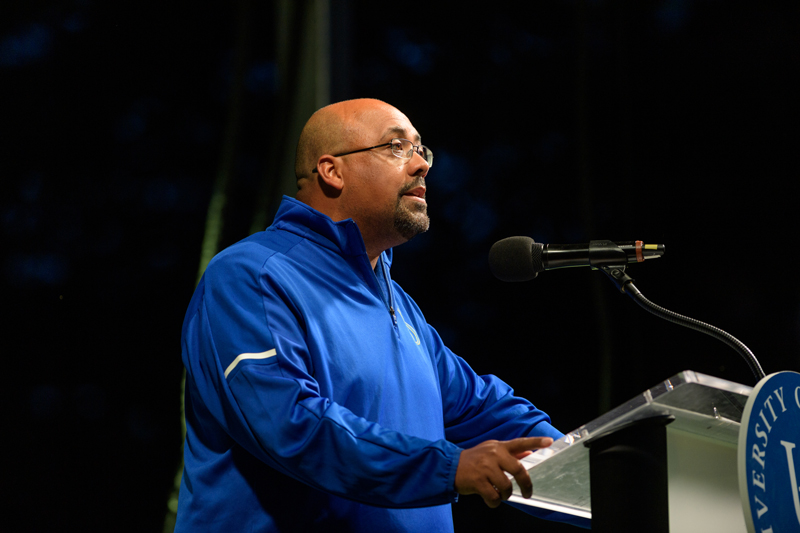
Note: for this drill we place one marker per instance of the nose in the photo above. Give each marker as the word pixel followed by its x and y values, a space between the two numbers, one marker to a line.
pixel 419 165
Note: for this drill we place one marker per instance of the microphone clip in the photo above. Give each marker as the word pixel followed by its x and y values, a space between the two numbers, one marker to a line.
pixel 617 275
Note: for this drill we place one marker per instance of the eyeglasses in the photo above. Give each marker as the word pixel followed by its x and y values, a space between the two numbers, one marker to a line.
pixel 402 148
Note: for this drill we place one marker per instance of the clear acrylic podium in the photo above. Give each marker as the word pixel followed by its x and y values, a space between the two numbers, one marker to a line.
pixel 686 470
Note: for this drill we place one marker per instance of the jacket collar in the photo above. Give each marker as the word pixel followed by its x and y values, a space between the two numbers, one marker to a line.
pixel 343 236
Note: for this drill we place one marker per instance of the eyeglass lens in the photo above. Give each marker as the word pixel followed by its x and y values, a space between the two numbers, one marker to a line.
pixel 405 148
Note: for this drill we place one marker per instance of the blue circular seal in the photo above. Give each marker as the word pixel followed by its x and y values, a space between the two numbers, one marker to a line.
pixel 769 455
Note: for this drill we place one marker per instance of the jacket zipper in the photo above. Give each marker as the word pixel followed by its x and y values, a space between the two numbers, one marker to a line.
pixel 389 291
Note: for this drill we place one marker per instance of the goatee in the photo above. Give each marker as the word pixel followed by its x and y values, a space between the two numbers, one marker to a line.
pixel 410 220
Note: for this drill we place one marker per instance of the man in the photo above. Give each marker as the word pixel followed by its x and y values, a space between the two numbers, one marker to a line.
pixel 317 397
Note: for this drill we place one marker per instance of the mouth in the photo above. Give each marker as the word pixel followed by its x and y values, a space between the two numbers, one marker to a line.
pixel 417 194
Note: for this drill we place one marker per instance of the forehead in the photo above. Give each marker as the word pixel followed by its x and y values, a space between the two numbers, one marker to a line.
pixel 386 122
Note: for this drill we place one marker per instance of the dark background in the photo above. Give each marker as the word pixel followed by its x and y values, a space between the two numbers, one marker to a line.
pixel 667 121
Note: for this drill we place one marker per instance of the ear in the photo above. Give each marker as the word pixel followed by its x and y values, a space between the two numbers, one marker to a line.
pixel 330 174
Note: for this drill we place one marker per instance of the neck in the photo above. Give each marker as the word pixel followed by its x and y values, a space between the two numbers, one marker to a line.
pixel 376 239
pixel 377 243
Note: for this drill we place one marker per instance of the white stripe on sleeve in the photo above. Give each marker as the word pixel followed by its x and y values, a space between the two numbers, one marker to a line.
pixel 243 356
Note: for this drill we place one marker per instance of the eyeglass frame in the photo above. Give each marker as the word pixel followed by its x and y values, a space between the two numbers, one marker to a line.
pixel 414 148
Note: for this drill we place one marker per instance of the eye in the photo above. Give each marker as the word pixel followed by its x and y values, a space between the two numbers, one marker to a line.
pixel 397 148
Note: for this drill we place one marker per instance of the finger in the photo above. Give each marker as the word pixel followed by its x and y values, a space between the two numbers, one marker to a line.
pixel 523 480
pixel 492 502
pixel 521 475
pixel 517 470
pixel 523 444
pixel 491 495
pixel 501 483
pixel 522 455
pixel 504 488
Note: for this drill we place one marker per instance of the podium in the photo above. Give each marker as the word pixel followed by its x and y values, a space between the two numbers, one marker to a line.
pixel 663 461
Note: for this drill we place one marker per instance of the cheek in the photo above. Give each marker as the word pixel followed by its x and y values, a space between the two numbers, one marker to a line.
pixel 376 196
pixel 382 186
pixel 388 186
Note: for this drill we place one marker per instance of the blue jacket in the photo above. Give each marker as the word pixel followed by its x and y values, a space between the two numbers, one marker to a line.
pixel 317 397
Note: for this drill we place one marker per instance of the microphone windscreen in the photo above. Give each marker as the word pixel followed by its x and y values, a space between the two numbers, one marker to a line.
pixel 512 259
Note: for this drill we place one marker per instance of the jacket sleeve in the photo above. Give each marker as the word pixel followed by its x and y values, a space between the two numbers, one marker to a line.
pixel 479 408
pixel 245 353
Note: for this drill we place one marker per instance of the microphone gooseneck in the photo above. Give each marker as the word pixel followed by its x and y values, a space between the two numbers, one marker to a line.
pixel 521 259
pixel 626 286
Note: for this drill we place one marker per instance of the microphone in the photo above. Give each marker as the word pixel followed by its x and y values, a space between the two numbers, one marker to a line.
pixel 521 258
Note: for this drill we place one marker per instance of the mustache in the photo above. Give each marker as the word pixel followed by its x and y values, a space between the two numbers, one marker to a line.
pixel 413 185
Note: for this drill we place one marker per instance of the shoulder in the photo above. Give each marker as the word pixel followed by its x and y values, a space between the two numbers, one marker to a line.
pixel 252 253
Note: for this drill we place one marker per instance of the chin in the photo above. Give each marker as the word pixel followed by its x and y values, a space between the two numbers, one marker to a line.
pixel 411 220
pixel 411 226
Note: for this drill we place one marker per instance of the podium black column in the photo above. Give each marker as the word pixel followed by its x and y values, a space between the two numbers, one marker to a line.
pixel 628 476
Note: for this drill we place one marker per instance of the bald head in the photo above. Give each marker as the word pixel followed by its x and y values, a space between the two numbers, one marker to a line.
pixel 383 192
pixel 333 129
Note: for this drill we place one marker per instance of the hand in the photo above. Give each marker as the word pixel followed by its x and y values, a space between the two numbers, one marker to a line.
pixel 482 469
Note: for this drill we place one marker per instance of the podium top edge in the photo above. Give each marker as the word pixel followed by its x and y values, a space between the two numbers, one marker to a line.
pixel 685 392
pixel 690 376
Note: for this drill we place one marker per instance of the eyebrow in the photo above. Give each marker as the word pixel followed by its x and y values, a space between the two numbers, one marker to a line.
pixel 397 130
